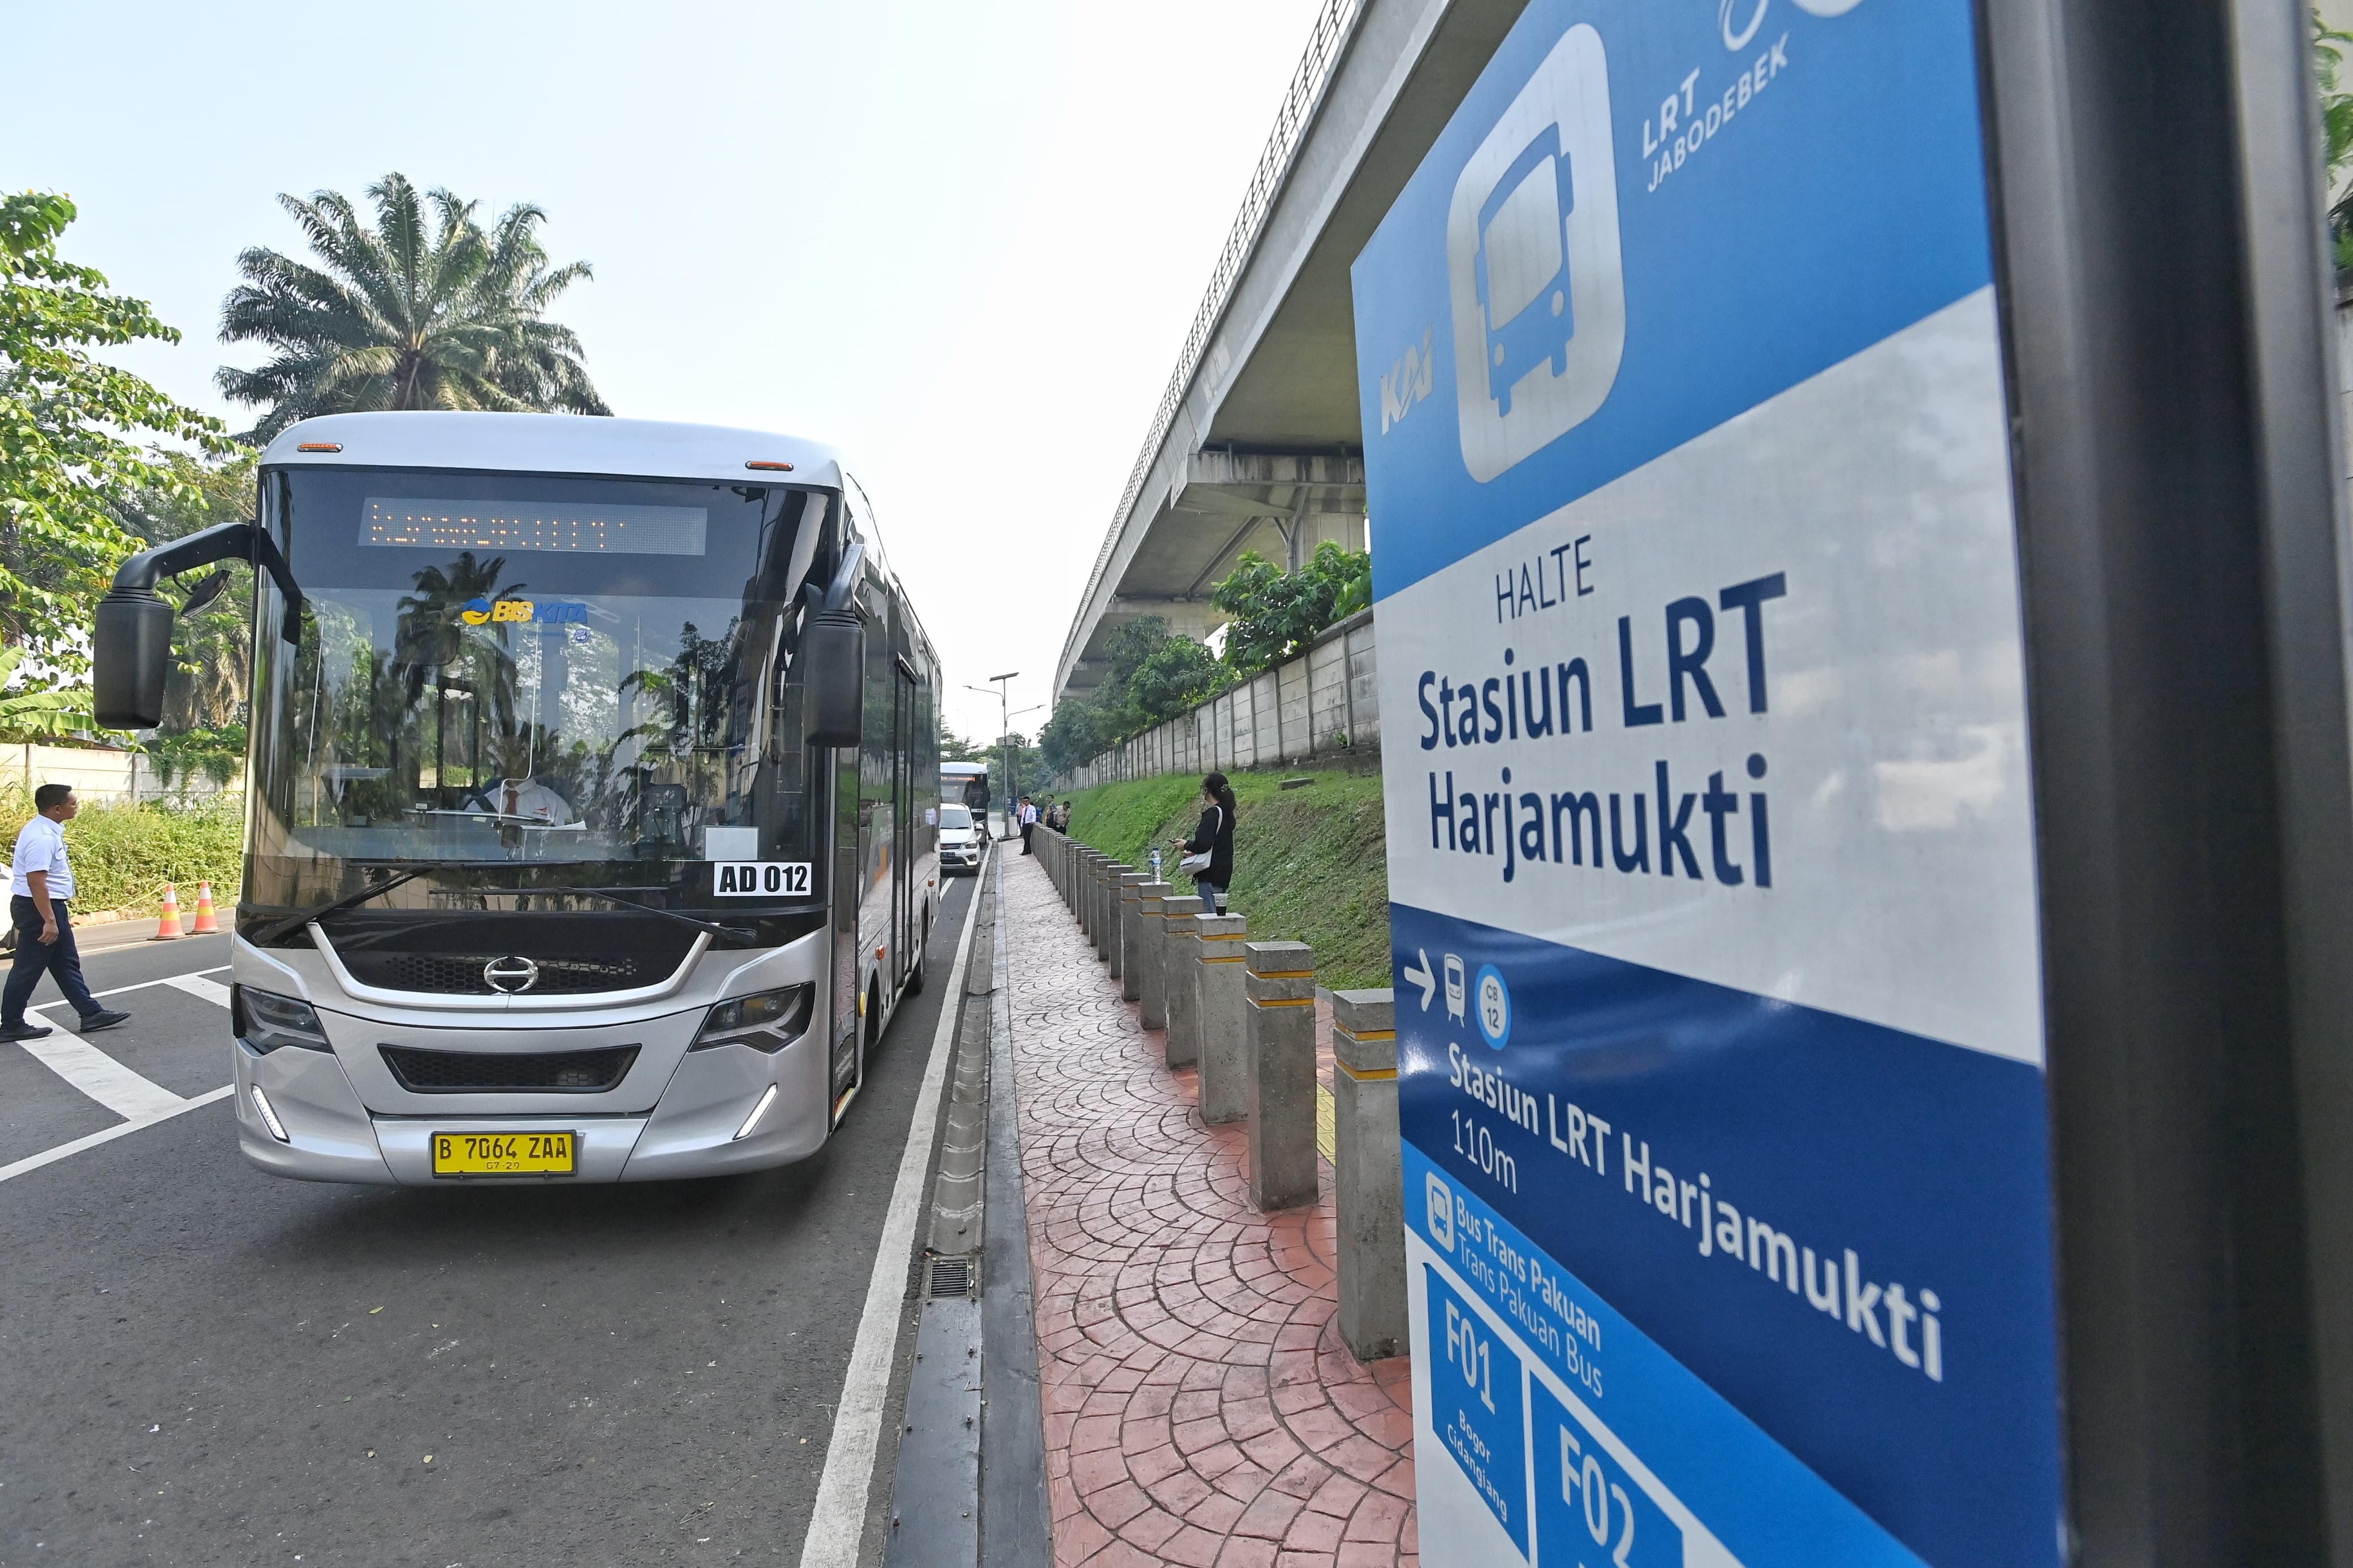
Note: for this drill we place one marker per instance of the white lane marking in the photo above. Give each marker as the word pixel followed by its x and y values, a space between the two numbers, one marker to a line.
pixel 167 980
pixel 101 1077
pixel 108 1135
pixel 212 991
pixel 839 1520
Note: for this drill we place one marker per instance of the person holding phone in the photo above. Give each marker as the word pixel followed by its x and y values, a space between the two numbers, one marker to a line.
pixel 1213 836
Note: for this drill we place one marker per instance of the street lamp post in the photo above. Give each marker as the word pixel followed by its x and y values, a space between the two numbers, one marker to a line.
pixel 1004 735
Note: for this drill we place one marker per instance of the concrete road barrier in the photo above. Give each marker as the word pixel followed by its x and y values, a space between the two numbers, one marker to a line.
pixel 1151 937
pixel 1367 1190
pixel 1279 986
pixel 1131 911
pixel 1217 1008
pixel 1180 956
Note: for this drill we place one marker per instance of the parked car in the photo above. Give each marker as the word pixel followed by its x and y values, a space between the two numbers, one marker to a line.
pixel 961 844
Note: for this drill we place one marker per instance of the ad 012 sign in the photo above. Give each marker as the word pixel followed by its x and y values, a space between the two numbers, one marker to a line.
pixel 1711 851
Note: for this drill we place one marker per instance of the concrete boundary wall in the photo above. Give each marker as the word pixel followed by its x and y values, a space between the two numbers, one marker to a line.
pixel 104 775
pixel 1323 703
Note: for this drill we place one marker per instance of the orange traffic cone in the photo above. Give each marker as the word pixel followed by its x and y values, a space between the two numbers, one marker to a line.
pixel 206 924
pixel 168 928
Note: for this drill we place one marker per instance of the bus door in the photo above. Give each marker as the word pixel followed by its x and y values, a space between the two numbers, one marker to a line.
pixel 904 823
pixel 848 831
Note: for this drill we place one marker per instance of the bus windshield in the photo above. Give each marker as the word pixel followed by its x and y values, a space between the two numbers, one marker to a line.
pixel 528 681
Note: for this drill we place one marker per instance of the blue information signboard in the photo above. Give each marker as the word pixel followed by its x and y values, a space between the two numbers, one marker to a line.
pixel 1711 854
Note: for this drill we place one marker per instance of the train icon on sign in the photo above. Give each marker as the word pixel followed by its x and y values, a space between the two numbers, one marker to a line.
pixel 1535 272
pixel 1454 988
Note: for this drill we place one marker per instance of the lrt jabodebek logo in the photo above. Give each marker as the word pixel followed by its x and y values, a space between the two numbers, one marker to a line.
pixel 1534 267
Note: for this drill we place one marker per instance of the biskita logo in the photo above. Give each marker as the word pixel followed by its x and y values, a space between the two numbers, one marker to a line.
pixel 1533 264
pixel 479 612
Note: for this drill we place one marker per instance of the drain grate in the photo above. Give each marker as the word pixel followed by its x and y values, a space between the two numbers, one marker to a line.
pixel 951 1277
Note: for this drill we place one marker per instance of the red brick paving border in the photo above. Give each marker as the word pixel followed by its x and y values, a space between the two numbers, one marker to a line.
pixel 1201 1408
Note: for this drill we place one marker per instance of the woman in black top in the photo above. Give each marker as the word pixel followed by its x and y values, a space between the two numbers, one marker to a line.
pixel 1214 837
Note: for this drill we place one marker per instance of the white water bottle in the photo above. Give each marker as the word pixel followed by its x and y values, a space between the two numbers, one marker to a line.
pixel 1155 862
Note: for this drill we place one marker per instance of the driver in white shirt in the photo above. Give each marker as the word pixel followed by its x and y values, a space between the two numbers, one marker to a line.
pixel 532 801
pixel 521 798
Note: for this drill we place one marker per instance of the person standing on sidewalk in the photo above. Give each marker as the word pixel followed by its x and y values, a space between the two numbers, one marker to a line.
pixel 1028 822
pixel 1213 836
pixel 40 883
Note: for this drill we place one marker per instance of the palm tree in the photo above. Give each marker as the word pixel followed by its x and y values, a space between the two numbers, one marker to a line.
pixel 396 317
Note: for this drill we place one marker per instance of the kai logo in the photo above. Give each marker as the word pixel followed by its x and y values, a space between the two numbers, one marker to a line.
pixel 480 612
pixel 1406 383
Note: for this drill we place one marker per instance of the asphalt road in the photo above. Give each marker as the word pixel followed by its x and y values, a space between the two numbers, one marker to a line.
pixel 203 1364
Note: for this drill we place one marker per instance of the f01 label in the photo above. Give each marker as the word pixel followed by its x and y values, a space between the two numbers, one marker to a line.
pixel 760 878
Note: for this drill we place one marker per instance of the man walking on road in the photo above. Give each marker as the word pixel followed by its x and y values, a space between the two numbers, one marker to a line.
pixel 39 885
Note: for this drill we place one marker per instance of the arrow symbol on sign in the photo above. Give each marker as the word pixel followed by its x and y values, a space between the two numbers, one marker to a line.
pixel 1423 977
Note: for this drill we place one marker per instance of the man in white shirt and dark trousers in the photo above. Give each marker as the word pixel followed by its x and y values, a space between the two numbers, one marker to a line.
pixel 39 885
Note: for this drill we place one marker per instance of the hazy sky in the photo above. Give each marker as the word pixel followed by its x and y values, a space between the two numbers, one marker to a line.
pixel 961 241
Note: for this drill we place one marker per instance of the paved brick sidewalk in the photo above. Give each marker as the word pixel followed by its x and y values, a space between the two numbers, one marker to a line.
pixel 1201 1408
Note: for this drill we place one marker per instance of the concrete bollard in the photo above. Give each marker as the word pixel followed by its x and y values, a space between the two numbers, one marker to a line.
pixel 1218 1007
pixel 1089 882
pixel 1367 1185
pixel 1107 913
pixel 1151 936
pixel 1279 985
pixel 1180 955
pixel 1123 933
pixel 1106 883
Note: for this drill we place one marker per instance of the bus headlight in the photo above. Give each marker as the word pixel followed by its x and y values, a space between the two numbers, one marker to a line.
pixel 265 1021
pixel 767 1022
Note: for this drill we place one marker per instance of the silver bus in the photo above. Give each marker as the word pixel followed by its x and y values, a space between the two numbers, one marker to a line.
pixel 593 789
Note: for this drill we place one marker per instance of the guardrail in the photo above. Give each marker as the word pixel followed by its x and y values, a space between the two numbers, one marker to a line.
pixel 1323 703
pixel 1325 45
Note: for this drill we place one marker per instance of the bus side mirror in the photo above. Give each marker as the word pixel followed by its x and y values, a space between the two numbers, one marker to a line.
pixel 833 657
pixel 131 658
pixel 131 634
pixel 833 652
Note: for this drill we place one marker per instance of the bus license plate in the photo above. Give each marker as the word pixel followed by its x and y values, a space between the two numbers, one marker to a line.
pixel 503 1153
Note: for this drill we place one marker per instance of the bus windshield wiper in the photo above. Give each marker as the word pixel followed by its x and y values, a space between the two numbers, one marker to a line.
pixel 333 906
pixel 737 933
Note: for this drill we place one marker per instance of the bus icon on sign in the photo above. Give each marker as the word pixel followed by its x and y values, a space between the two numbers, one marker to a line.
pixel 1533 270
pixel 1524 282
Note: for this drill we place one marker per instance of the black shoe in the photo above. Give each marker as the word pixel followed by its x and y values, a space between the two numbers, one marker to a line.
pixel 23 1031
pixel 105 1018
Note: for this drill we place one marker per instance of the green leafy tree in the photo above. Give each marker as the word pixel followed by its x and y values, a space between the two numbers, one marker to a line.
pixel 1151 676
pixel 1074 734
pixel 65 464
pixel 1276 614
pixel 39 715
pixel 2336 132
pixel 1175 678
pixel 407 312
pixel 212 669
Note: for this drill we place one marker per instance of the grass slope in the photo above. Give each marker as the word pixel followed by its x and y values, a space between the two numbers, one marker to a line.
pixel 1310 865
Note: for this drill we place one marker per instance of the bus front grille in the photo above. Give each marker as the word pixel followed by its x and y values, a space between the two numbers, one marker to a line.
pixel 423 1072
pixel 450 973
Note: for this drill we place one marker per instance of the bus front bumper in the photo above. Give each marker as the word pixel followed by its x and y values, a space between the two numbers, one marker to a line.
pixel 692 1131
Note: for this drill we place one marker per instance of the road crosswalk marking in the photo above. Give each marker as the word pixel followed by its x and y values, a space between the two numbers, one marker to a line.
pixel 138 1099
pixel 197 985
pixel 108 1134
pixel 101 1077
